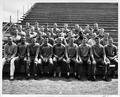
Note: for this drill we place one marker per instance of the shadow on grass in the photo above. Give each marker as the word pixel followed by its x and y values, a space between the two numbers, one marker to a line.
pixel 46 77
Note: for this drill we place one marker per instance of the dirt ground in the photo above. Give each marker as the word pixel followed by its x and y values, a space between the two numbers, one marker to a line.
pixel 59 86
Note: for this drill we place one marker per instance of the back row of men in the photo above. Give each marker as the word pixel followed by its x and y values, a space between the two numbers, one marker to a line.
pixel 61 51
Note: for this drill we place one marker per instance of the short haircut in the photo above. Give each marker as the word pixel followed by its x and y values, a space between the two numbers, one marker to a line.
pixel 84 37
pixel 107 34
pixel 97 37
pixel 110 38
pixel 10 38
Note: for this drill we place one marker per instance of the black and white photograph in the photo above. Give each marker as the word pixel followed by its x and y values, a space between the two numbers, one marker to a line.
pixel 59 48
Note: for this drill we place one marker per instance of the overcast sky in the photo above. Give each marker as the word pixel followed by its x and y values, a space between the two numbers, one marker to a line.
pixel 10 7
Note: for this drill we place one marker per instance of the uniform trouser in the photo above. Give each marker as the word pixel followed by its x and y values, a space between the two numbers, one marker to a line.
pixel 73 65
pixel 114 61
pixel 18 60
pixel 62 64
pixel 12 67
pixel 48 64
pixel 35 67
pixel 84 67
pixel 98 63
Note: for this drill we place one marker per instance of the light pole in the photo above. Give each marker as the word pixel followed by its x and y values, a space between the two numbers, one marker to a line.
pixel 10 19
pixel 23 10
pixel 17 15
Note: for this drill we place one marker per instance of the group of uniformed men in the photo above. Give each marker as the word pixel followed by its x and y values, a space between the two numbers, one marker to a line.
pixel 64 51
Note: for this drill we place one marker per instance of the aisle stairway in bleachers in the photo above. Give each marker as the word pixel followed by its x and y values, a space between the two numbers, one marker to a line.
pixel 105 14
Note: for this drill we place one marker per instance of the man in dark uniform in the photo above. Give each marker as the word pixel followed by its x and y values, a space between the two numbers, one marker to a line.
pixel 45 53
pixel 96 28
pixel 32 56
pixel 65 30
pixel 99 59
pixel 55 30
pixel 111 54
pixel 78 34
pixel 22 56
pixel 84 53
pixel 59 58
pixel 72 55
pixel 10 51
pixel 39 38
pixel 37 28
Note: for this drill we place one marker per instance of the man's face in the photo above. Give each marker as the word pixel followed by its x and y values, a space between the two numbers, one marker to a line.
pixel 42 28
pixel 55 25
pixel 37 24
pixel 91 31
pixel 16 32
pixel 76 26
pixel 59 41
pixel 110 41
pixel 10 39
pixel 46 40
pixel 32 29
pixel 19 27
pixel 87 27
pixel 27 24
pixel 34 40
pixel 70 34
pixel 23 39
pixel 71 41
pixel 84 40
pixel 97 41
pixel 95 25
pixel 65 26
pixel 106 35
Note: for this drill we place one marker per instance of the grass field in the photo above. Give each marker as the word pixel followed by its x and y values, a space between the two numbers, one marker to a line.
pixel 59 86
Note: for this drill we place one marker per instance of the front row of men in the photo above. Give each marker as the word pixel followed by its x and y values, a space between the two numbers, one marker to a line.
pixel 59 59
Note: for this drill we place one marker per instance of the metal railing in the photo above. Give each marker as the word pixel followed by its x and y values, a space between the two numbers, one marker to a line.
pixel 7 29
pixel 5 25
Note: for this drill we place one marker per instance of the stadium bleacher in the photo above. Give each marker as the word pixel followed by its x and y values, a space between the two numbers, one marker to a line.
pixel 106 15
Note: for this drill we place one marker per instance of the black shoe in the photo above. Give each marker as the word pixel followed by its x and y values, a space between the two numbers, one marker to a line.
pixel 59 75
pixel 54 75
pixel 67 76
pixel 36 77
pixel 93 78
pixel 27 77
pixel 75 74
pixel 89 78
pixel 107 79
pixel 11 78
pixel 79 77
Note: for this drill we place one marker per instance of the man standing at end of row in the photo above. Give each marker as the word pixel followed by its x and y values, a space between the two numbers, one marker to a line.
pixel 10 51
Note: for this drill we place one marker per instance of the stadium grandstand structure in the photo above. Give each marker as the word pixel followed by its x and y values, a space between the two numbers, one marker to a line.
pixel 105 14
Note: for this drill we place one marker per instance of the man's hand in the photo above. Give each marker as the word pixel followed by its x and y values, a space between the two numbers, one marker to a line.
pixel 36 59
pixel 60 58
pixel 50 60
pixel 80 61
pixel 74 59
pixel 68 60
pixel 28 60
pixel 107 61
pixel 25 59
pixel 89 62
pixel 55 59
pixel 43 59
pixel 93 62
pixel 8 59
